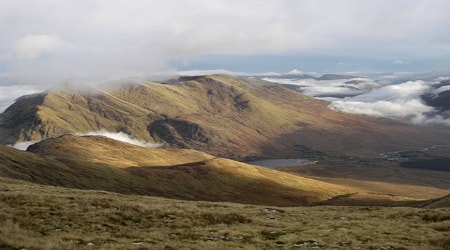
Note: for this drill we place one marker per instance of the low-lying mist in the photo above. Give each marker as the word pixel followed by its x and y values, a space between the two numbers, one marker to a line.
pixel 378 98
pixel 118 136
pixel 123 137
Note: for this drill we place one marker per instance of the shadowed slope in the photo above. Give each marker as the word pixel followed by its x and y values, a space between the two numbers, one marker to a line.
pixel 443 202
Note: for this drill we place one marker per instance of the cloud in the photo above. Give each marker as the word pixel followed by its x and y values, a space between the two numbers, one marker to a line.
pixel 120 136
pixel 383 97
pixel 115 136
pixel 399 101
pixel 392 109
pixel 8 94
pixel 66 39
pixel 329 88
pixel 399 62
pixel 35 46
pixel 22 145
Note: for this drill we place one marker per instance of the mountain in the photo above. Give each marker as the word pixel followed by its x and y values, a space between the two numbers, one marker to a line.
pixel 441 101
pixel 220 115
pixel 301 75
pixel 335 77
pixel 439 98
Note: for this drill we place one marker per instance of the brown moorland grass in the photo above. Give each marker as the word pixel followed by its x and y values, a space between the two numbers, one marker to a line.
pixel 45 217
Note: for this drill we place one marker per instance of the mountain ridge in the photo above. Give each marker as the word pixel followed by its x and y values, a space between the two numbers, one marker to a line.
pixel 221 115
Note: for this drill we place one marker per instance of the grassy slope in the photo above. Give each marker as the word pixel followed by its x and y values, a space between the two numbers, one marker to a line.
pixel 220 115
pixel 441 202
pixel 42 217
pixel 103 150
pixel 92 162
pixel 101 163
pixel 378 176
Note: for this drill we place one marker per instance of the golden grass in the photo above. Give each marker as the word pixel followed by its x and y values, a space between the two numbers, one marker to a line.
pixel 316 190
pixel 101 163
pixel 93 162
pixel 44 217
pixel 98 149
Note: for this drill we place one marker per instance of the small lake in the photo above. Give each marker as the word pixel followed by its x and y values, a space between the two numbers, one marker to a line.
pixel 275 163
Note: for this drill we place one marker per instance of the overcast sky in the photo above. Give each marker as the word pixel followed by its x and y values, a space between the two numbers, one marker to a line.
pixel 53 40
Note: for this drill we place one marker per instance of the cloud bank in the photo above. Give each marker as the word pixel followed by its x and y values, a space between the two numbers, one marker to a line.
pixel 328 89
pixel 52 41
pixel 383 98
pixel 399 101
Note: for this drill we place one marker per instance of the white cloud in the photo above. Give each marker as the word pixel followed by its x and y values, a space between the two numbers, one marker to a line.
pixel 441 89
pixel 329 88
pixel 23 145
pixel 400 101
pixel 366 97
pixel 115 136
pixel 398 92
pixel 120 136
pixel 441 78
pixel 34 46
pixel 381 108
pixel 296 72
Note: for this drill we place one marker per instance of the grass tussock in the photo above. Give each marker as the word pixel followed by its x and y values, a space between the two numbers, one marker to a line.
pixel 44 217
pixel 437 216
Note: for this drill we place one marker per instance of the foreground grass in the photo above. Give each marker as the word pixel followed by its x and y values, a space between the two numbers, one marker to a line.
pixel 45 217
